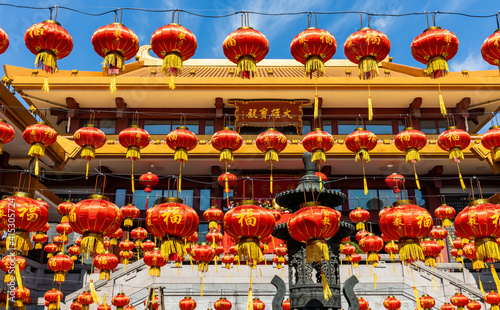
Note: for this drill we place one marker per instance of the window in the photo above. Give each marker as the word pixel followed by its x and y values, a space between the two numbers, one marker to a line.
pixel 346 127
pixel 186 195
pixel 401 125
pixel 209 127
pixel 380 127
pixel 202 232
pixel 120 197
pixel 432 127
pixel 375 199
pixel 306 126
pixel 140 198
pixel 204 199
pixel 327 126
pixel 163 127
pixel 108 126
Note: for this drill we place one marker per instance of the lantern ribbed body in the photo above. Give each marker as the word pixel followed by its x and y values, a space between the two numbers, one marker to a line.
pixel 174 38
pixel 392 303
pixel 60 264
pixel 29 216
pixel 359 216
pixel 313 45
pixel 286 304
pixel 148 180
pixel 4 41
pixel 318 142
pixel 187 303
pixel 181 140
pixel 361 142
pixel 492 298
pixel 371 244
pixel 248 221
pixel 490 140
pixel 7 133
pixel 427 302
pixel 76 306
pixel 395 181
pixel 411 141
pixel 445 213
pixel 363 304
pixel 221 304
pixel 203 254
pixel 134 139
pixel 271 142
pixel 97 215
pixel 315 222
pixel 120 301
pixel 454 140
pixel 105 263
pixel 89 138
pixel 226 141
pixel 129 213
pixel 258 304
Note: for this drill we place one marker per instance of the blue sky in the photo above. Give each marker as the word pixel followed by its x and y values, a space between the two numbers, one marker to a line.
pixel 279 30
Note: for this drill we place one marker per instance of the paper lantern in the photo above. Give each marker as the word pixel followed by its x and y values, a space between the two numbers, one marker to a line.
pixel 411 141
pixel 134 139
pixel 490 140
pixel 54 298
pixel 271 142
pixel 89 138
pixel 129 213
pixel 226 141
pixel 492 298
pixel 85 299
pixel 7 133
pixel 60 264
pixel 318 142
pixel 148 180
pixel 392 303
pixel 213 215
pixel 359 216
pixel 454 140
pixel 431 249
pixel 371 244
pixel 221 304
pixel 39 136
pixel 445 213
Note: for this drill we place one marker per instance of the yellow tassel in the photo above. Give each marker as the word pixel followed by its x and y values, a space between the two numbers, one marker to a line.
pixel 368 68
pixel 171 83
pixel 415 292
pixel 365 184
pixel 340 261
pixel 316 106
pixel 327 293
pixel 461 179
pixel 320 185
pixel 112 86
pixel 393 269
pixel 93 292
pixel 411 250
pixel 172 246
pixel 246 67
pixel 375 281
pixel 153 297
pixel 349 269
pixel 370 109
pixel 87 170
pixel 416 177
pixel 260 271
pixel 226 185
pixel 45 87
pixel 7 303
pixel 434 283
pixel 271 183
pixel 18 276
pixel 495 277
pixel 250 296
pixel 480 283
pixel 318 156
pixel 58 301
pixel 314 64
pixel 442 107
pixel 360 226
pixel 37 167
pixel 133 187
pixel 316 250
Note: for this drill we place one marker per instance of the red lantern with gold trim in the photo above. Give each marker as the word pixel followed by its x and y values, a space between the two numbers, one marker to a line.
pixel 411 141
pixel 491 50
pixel 445 213
pixel 64 229
pixel 174 44
pixel 348 250
pixel 49 41
pixel 395 182
pixel 439 233
pixel 39 136
pixel 286 304
pixel 129 213
pixel 392 248
pixel 94 218
pixel 89 138
pixel 431 249
pixel 226 141
pixel 392 303
pixel 134 139
pixel 39 239
pixel 116 44
pixel 361 234
pixel 4 42
pixel 248 223
pixel 312 48
pixel 21 294
pixel 155 261
pixel 447 306
pixel 407 223
pixel 148 245
pixel 474 305
pixel 172 221
pixel 318 142
pixel 187 303
pixel 459 300
pixel 50 249
pixel 148 180
pixel 7 133
pixel 64 209
pixel 371 244
pixel 454 141
pixel 221 304
pixel 213 215
pixel 492 298
pixel 74 251
pixel 227 180
pixel 76 306
pixel 427 302
pixel 355 259
pixel 490 140
pixel 271 142
pixel 154 303
pixel 85 299
pixel 114 236
pixel 214 237
pixel 363 304
pixel 258 304
pixel 227 259
pixel 359 216
pixel 9 262
pixel 138 234
pixel 360 142
pixel 54 298
pixel 60 264
pixel 203 254
pixel 246 47
pixel 181 140
pixel 120 301
pixel 469 251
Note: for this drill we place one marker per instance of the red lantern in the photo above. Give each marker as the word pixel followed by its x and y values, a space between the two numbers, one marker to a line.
pixel 187 303
pixel 148 245
pixel 312 48
pixel 454 140
pixel 4 41
pixel 39 239
pixel 447 306
pixel 427 302
pixel 174 44
pixel 248 223
pixel 279 261
pixel 129 307
pixel 76 306
pixel 126 245
pixel 129 213
pixel 50 248
pixel 258 304
pixel 89 138
pixel 214 237
pixel 439 233
pixel 348 250
pixel 93 218
pixel 363 304
pixel 227 259
pixel 431 249
pixel 445 213
pixel 492 298
pixel 226 141
pixel 286 304
pixel 227 180
pixel 355 259
pixel 203 254
pixel 490 49
pixel 490 140
pixel 221 304
pixel 360 142
pixel 60 242
pixel 49 42
pixel 395 181
pixel 213 215
pixel 21 294
pixel 181 141
pixel 359 216
pixel 318 142
pixel 7 133
pixel 104 306
pixel 155 261
pixel 392 248
pixel 457 254
pixel 74 251
pixel 134 139
pixel 39 136
pixel 469 251
pixel 28 217
pixel 60 264
pixel 411 141
pixel 172 221
pixel 120 301
pixel 392 303
pixel 116 44
pixel 148 180
pixel 85 299
pixel 245 47
pixel 271 142
pixel 126 255
pixel 64 229
pixel 114 236
pixel 11 263
pixel 138 234
pixel 64 209
pixel 371 244
pixel 361 234
pixel 53 297
pixel 474 305
pixel 154 304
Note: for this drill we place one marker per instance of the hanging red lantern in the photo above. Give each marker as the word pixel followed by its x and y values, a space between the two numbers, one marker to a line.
pixel 21 294
pixel 226 141
pixel 89 138
pixel 361 234
pixel 174 44
pixel 93 218
pixel 203 254
pixel 474 305
pixel 434 47
pixel 129 307
pixel 371 244
pixel 411 141
pixel 126 245
pixel 407 223
pixel 363 304
pixel 355 259
pixel 431 249
pixel 490 49
pixel 248 223
pixel 54 298
pixel 492 298
pixel 172 221
pixel 445 213
pixel 271 142
pixel 286 304
pixel 50 249
pixel 148 245
pixel 104 306
pixel 187 303
pixel 114 236
pixel 7 133
pixel 39 238
pixel 151 303
pixel 138 234
pixel 469 251
pixel 426 302
pixel 279 261
pixel 60 264
pixel 392 248
pixel 359 216
pixel 439 233
pixel 49 41
pixel 181 141
pixel 457 244
pixel 126 256
pixel 213 215
pixel 214 237
pixel 11 263
pixel 457 254
pixel 4 42
pixel 348 250
pixel 366 48
pixel 85 299
pixel 227 180
pixel 318 142
pixel 64 229
pixel 134 139
pixel 454 140
pixel 39 136
pixel 129 213
pixel 227 259
pixel 221 304
pixel 74 251
pixel 258 304
pixel 360 142
pixel 396 182
pixel 64 209
pixel 60 242
pixel 28 217
pixel 76 306
pixel 120 301
pixel 148 180
pixel 116 44
pixel 490 140
pixel 155 261
pixel 447 306
pixel 392 303
pixel 245 47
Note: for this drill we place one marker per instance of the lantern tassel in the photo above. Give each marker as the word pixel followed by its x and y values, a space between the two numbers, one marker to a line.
pixel 416 176
pixel 171 82
pixel 246 67
pixel 442 107
pixel 180 178
pixel 365 183
pixel 226 156
pixel 370 108
pixel 45 87
pixel 37 150
pixel 112 85
pixel 18 276
pixel 147 200
pixel 327 293
pixel 434 283
pixel 461 179
pixel 410 249
pixel 477 264
pixel 58 301
pixel 132 177
pixel 314 64
pixel 368 68
pixel 495 276
pixel 412 155
pixel 172 246
pixel 87 170
pixel 481 285
pixel 271 180
pixel 316 103
pixel 318 155
pixel 495 153
pixel 316 250
pixel 201 288
pixel 94 294
pixel 360 226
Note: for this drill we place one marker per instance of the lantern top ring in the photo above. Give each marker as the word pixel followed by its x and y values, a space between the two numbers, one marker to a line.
pixel 310 204
pixel 432 28
pixel 245 27
pixel 492 127
pixel 402 202
pixel 174 199
pixel 50 21
pixel 22 194
pixel 478 201
pixel 97 196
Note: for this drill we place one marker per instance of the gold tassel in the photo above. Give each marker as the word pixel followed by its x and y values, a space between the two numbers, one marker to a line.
pixel 93 292
pixel 133 187
pixel 316 250
pixel 416 177
pixel 58 301
pixel 250 295
pixel 495 277
pixel 246 67
pixel 18 276
pixel 365 184
pixel 461 179
pixel 415 292
pixel 327 293
pixel 360 226
pixel 368 68
pixel 201 288
pixel 112 86
pixel 7 302
pixel 171 82
pixel 480 283
pixel 314 64
pixel 180 178
pixel 370 108
pixel 37 167
pixel 375 281
pixel 442 107
pixel 87 170
pixel 316 103
pixel 434 283
pixel 45 87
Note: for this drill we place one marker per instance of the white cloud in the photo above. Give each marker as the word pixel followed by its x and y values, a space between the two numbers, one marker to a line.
pixel 473 62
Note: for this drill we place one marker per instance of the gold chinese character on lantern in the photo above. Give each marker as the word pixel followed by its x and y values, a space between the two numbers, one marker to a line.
pixel 246 218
